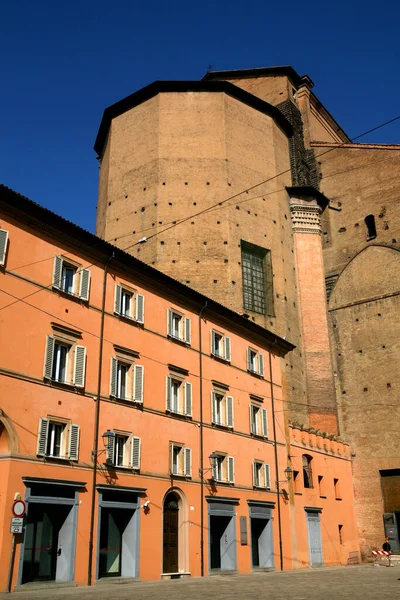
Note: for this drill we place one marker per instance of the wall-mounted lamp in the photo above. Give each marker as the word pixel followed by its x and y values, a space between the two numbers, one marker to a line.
pixel 288 475
pixel 107 435
pixel 213 463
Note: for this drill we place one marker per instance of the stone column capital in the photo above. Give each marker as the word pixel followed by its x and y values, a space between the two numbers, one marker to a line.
pixel 306 216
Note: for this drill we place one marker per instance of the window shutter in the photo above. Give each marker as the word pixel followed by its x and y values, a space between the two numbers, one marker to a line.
pixel 254 473
pixel 117 299
pixel 169 321
pixel 253 417
pixel 231 469
pixel 248 359
pixel 187 330
pixel 139 308
pixel 3 245
pixel 212 342
pixel 84 284
pixel 213 408
pixel 229 411
pixel 261 365
pixel 42 437
pixel 188 399
pixel 135 452
pixel 73 442
pixel 79 366
pixel 227 349
pixel 57 270
pixel 168 394
pixel 113 376
pixel 214 472
pixel 173 470
pixel 267 477
pixel 264 422
pixel 138 383
pixel 48 357
pixel 188 462
pixel 110 451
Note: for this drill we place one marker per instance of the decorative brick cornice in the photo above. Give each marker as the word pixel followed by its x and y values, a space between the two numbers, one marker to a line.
pixel 306 218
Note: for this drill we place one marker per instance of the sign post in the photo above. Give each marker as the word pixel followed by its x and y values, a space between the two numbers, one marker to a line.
pixel 16 528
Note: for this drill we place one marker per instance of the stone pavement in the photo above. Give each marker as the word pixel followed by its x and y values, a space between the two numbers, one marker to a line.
pixel 361 582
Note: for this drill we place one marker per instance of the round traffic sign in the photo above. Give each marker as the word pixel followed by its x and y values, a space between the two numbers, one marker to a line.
pixel 19 508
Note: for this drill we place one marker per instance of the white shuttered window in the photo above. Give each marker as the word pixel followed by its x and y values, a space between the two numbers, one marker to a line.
pixel 57 439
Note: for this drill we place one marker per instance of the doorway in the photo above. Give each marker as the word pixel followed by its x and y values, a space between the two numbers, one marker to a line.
pixel 171 533
pixel 392 528
pixel 222 534
pixel 314 539
pixel 46 530
pixel 113 523
pixel 262 543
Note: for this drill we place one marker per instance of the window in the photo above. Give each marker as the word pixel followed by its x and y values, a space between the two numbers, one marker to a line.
pixel 65 362
pixel 307 471
pixel 71 278
pixel 221 409
pixel 179 396
pixel 3 246
pixel 123 450
pixel 258 421
pixel 127 380
pixel 128 304
pixel 220 345
pixel 178 326
pixel 321 486
pixel 371 227
pixel 58 439
pixel 223 470
pixel 181 461
pixel 340 530
pixel 257 279
pixel 296 482
pixel 261 475
pixel 255 362
pixel 336 486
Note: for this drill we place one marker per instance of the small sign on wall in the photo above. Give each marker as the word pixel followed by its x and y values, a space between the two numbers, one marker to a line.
pixel 243 531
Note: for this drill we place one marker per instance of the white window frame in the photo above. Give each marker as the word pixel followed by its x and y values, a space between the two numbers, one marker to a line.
pixel 134 384
pixel 182 467
pixel 183 330
pixel 136 308
pixel 75 362
pixel 3 246
pixel 183 405
pixel 224 469
pixel 223 404
pixel 261 475
pixel 223 353
pixel 131 452
pixel 258 420
pixel 255 362
pixel 69 441
pixel 81 278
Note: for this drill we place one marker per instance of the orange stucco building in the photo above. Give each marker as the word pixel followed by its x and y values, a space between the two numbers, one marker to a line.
pixel 143 423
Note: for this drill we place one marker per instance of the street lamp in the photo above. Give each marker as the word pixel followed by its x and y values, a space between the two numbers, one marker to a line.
pixel 213 462
pixel 106 437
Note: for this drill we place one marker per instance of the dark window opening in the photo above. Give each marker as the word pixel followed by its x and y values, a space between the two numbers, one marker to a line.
pixel 257 279
pixel 307 471
pixel 340 529
pixel 371 227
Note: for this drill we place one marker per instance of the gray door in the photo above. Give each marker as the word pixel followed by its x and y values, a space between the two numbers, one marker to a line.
pixel 391 532
pixel 65 548
pixel 262 543
pixel 228 546
pixel 314 539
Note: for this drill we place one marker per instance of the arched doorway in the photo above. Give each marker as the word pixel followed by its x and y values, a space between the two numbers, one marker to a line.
pixel 171 533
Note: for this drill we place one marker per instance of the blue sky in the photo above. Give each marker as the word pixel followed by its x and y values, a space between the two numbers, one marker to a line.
pixel 62 63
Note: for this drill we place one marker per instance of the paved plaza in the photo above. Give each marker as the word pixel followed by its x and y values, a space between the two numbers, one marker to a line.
pixel 363 582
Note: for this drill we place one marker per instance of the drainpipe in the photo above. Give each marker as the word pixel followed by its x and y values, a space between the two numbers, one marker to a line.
pixel 201 447
pixel 276 465
pixel 96 422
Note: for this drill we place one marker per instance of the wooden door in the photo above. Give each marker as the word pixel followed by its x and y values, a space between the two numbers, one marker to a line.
pixel 170 534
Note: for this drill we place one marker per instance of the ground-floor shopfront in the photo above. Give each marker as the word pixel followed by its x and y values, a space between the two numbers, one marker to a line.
pixel 149 528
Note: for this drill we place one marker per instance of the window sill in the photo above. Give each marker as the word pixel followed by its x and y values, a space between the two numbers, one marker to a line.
pixel 130 320
pixel 128 401
pixel 227 483
pixel 220 358
pixel 70 295
pixel 60 459
pixel 179 415
pixel 222 426
pixel 180 476
pixel 121 467
pixel 258 436
pixel 64 385
pixel 261 488
pixel 178 340
pixel 255 374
